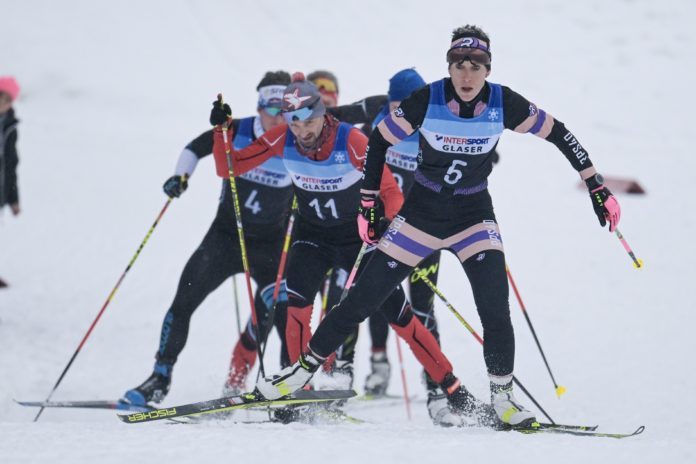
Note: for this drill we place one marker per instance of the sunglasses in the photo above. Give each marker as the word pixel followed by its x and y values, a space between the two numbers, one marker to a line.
pixel 473 55
pixel 271 110
pixel 326 85
pixel 298 115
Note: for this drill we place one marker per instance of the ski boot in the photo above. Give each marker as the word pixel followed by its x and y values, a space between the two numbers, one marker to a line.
pixel 340 378
pixel 287 415
pixel 506 407
pixel 290 379
pixel 377 381
pixel 243 359
pixel 343 375
pixel 154 389
pixel 440 411
pixel 467 405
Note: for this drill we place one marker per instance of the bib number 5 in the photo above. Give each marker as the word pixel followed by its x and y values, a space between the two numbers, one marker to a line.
pixel 453 174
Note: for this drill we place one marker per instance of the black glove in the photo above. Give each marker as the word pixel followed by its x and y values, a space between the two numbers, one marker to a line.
pixel 175 186
pixel 221 113
pixel 370 213
pixel 604 203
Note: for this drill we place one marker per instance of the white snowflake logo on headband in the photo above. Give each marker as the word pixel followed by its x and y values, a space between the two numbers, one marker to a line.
pixel 294 99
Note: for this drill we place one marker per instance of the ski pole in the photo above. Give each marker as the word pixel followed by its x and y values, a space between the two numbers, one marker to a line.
pixel 559 389
pixel 637 262
pixel 461 319
pixel 106 303
pixel 236 305
pixel 240 233
pixel 284 254
pixel 407 400
pixel 281 272
pixel 353 271
pixel 329 362
pixel 325 294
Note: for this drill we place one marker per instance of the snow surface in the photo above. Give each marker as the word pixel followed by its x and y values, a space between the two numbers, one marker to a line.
pixel 111 92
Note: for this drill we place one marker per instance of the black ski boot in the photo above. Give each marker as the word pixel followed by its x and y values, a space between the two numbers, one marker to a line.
pixel 154 389
pixel 287 414
pixel 464 403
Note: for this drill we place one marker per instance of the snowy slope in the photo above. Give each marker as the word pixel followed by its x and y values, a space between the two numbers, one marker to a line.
pixel 113 90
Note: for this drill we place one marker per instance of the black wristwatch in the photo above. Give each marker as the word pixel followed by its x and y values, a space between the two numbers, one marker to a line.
pixel 594 181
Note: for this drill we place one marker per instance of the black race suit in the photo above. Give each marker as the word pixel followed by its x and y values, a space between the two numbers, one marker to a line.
pixel 264 216
pixel 456 214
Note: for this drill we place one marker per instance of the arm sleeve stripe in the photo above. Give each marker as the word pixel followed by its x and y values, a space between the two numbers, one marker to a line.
pixel 394 128
pixel 387 134
pixel 539 122
pixel 546 127
pixel 587 173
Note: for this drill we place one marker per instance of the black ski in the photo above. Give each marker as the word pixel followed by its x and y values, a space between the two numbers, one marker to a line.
pixel 307 413
pixel 312 413
pixel 385 396
pixel 98 404
pixel 244 401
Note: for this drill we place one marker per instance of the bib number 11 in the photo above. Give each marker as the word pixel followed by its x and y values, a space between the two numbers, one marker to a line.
pixel 453 174
pixel 331 205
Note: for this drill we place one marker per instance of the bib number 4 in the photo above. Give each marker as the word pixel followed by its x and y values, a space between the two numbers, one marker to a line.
pixel 453 174
pixel 252 203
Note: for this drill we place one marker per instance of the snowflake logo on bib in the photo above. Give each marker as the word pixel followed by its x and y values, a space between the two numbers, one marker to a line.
pixel 340 158
pixel 493 115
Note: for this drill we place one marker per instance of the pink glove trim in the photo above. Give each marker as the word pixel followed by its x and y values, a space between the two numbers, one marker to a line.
pixel 364 225
pixel 613 214
pixel 363 231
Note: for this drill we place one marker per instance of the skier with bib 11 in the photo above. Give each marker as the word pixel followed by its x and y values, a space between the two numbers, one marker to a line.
pixel 325 159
